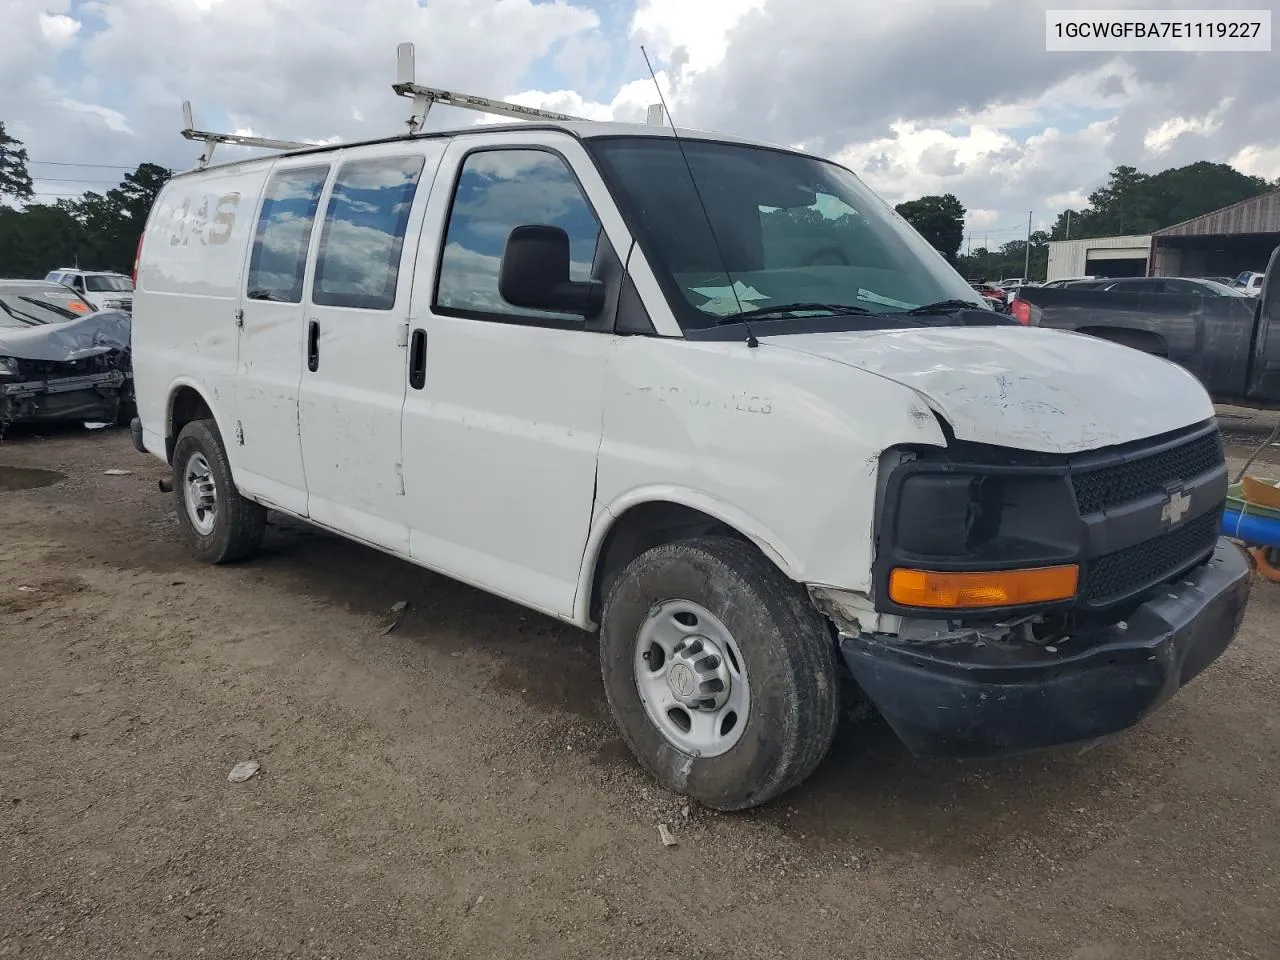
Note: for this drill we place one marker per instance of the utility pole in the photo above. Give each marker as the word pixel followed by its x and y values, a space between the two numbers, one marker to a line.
pixel 1068 236
pixel 1026 267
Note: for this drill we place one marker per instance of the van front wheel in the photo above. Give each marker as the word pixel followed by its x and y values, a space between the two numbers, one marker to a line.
pixel 719 672
pixel 218 523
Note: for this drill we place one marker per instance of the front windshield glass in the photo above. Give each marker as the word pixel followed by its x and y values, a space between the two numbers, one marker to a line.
pixel 108 284
pixel 789 229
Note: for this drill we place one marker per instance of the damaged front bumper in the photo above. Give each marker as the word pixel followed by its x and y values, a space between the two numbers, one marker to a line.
pixel 969 698
pixel 95 396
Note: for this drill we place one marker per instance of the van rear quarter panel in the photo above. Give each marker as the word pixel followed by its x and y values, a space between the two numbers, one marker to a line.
pixel 190 279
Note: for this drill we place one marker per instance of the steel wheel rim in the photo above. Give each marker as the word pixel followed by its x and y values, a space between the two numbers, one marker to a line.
pixel 200 494
pixel 692 678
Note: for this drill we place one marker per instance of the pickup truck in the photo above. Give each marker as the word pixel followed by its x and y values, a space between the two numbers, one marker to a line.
pixel 1230 344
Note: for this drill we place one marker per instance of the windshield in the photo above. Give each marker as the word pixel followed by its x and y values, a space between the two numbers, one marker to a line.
pixel 108 284
pixel 789 229
pixel 35 305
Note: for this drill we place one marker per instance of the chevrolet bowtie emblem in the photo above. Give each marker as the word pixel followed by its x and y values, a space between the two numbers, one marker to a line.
pixel 1175 507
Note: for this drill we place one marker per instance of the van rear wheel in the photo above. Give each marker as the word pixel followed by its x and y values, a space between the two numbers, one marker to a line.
pixel 219 524
pixel 719 672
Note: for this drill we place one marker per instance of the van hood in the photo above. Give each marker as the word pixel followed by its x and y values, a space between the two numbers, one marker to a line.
pixel 1028 388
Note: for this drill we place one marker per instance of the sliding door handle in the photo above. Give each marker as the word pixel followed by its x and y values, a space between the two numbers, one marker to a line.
pixel 313 346
pixel 418 359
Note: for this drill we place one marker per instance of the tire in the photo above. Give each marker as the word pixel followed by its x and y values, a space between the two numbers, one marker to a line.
pixel 125 413
pixel 786 653
pixel 233 530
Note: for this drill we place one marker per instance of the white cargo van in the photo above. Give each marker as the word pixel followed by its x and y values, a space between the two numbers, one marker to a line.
pixel 713 398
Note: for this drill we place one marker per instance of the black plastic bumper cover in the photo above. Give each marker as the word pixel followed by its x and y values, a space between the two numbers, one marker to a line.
pixel 967 699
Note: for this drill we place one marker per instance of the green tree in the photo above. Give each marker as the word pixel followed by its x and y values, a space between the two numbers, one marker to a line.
pixel 97 231
pixel 939 219
pixel 36 239
pixel 15 181
pixel 1009 261
pixel 1131 202
pixel 110 224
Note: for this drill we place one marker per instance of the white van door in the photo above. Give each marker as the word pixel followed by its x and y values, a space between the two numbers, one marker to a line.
pixel 503 416
pixel 269 360
pixel 353 379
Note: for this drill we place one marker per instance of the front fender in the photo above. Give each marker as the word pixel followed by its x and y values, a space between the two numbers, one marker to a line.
pixel 606 516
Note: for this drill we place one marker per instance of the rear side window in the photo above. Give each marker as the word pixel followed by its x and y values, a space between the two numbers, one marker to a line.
pixel 284 232
pixel 359 261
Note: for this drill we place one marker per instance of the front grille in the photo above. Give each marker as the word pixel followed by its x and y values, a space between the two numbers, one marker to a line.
pixel 1112 486
pixel 1113 577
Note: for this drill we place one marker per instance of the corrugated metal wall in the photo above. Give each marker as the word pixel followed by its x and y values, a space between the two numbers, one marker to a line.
pixel 1258 215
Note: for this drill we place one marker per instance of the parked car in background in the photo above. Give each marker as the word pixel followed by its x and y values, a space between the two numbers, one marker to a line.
pixel 1190 286
pixel 991 293
pixel 60 359
pixel 1068 281
pixel 1230 341
pixel 1249 283
pixel 105 290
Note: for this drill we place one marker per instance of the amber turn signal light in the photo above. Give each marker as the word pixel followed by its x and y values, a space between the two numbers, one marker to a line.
pixel 988 588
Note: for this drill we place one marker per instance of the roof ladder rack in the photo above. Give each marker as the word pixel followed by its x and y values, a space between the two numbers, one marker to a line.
pixel 424 97
pixel 211 140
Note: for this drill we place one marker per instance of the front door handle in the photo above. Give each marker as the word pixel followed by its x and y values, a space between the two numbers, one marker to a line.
pixel 418 359
pixel 313 346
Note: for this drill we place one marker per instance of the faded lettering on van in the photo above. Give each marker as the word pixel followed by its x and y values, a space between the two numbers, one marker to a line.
pixel 212 222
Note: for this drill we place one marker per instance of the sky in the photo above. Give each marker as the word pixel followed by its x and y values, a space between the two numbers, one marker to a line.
pixel 915 96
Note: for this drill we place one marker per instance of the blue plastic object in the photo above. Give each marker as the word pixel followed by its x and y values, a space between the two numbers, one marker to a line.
pixel 1251 528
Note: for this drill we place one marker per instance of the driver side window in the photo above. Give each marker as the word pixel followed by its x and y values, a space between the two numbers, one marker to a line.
pixel 497 191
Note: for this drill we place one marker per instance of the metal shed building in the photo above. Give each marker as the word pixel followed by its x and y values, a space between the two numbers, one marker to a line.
pixel 1099 257
pixel 1223 242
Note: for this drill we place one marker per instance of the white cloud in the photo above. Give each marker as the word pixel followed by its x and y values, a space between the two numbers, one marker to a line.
pixel 917 96
pixel 691 33
pixel 1259 161
pixel 1159 139
pixel 58 29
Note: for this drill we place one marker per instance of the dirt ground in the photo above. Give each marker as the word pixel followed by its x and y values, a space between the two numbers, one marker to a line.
pixel 455 788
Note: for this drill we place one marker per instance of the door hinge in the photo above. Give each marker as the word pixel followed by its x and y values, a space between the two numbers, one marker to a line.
pixel 239 433
pixel 402 335
pixel 239 317
pixel 400 479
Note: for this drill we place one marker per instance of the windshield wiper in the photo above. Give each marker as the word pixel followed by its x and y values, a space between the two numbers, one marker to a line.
pixel 835 309
pixel 942 306
pixel 21 317
pixel 46 305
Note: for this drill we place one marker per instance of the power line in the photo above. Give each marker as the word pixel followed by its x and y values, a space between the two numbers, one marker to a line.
pixel 40 179
pixel 64 163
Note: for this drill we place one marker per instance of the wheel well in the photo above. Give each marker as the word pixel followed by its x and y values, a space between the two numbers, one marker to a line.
pixel 642 528
pixel 1142 340
pixel 185 407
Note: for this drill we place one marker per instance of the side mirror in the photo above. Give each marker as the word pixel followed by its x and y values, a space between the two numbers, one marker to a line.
pixel 535 273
